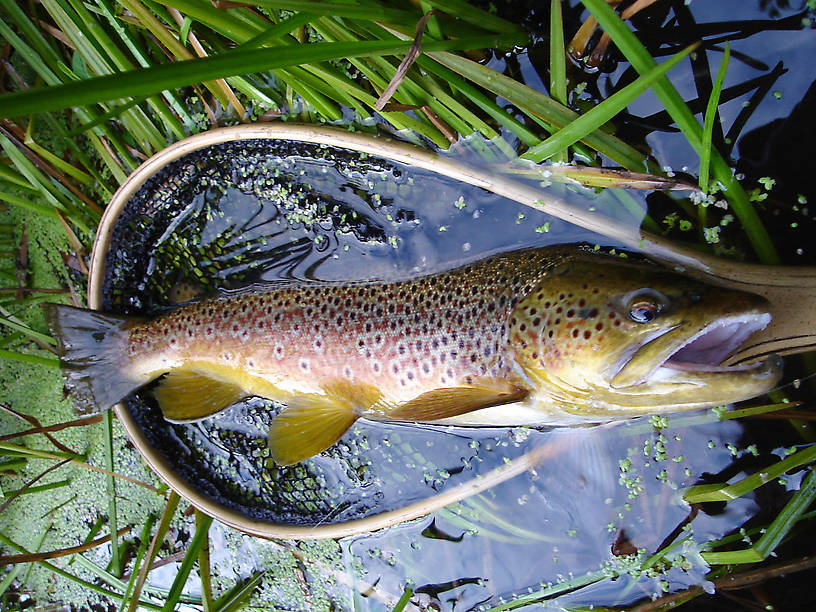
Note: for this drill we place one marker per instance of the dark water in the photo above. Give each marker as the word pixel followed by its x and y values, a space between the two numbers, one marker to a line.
pixel 569 530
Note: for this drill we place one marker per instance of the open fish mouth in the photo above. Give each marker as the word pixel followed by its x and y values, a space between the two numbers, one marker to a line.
pixel 697 354
pixel 710 346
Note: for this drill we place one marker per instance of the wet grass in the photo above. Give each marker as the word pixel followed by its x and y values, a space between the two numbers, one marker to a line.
pixel 91 89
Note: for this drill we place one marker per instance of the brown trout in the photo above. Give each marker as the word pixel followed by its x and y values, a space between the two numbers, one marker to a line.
pixel 554 336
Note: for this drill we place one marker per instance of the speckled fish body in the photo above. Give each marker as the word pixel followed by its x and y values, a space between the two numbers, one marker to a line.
pixel 404 338
pixel 561 334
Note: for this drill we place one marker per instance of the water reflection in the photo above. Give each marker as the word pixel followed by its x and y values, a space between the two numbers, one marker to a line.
pixel 608 493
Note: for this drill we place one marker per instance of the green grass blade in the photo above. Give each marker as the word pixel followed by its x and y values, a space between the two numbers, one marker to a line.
pixel 539 105
pixel 144 540
pixel 119 175
pixel 549 592
pixel 407 593
pixel 9 578
pixel 32 205
pixel 37 52
pixel 710 115
pixel 293 22
pixel 155 543
pixel 51 362
pixel 753 410
pixel 640 59
pixel 113 524
pixel 104 118
pixel 169 120
pixel 492 109
pixel 775 532
pixel 121 585
pixel 42 58
pixel 223 22
pixel 37 488
pixel 59 163
pixel 179 74
pixel 35 335
pixel 61 572
pixel 11 176
pixel 470 14
pixel 33 174
pixel 558 65
pixel 234 599
pixel 102 57
pixel 603 112
pixel 92 533
pixel 54 193
pixel 370 12
pixel 167 37
pixel 190 557
pixel 204 564
pixel 715 492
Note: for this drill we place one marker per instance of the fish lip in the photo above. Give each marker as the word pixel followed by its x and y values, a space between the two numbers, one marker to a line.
pixel 701 349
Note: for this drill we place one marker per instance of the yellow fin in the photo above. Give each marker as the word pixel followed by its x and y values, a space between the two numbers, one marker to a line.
pixel 311 423
pixel 360 395
pixel 185 396
pixel 308 425
pixel 450 402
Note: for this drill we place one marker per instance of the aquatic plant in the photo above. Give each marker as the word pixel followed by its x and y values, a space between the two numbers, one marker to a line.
pixel 91 89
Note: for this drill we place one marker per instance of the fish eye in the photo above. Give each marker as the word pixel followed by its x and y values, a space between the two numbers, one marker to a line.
pixel 643 312
pixel 643 305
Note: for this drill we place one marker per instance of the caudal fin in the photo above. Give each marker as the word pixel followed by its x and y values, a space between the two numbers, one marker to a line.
pixel 93 353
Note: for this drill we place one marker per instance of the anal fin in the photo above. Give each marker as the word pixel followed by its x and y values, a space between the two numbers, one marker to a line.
pixel 186 396
pixel 453 401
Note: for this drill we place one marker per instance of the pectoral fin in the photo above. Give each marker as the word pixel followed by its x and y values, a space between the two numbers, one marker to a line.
pixel 453 401
pixel 311 423
pixel 185 396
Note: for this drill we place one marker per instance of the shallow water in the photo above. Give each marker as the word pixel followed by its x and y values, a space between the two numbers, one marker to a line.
pixel 264 213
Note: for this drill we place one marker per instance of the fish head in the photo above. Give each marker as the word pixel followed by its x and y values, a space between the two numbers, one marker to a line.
pixel 604 338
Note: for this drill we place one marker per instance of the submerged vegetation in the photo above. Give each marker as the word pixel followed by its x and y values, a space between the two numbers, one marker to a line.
pixel 91 89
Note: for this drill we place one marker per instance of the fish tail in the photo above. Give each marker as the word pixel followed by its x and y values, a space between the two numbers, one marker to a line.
pixel 93 355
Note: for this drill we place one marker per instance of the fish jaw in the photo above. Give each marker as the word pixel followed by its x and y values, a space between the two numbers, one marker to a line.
pixel 683 367
pixel 694 349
